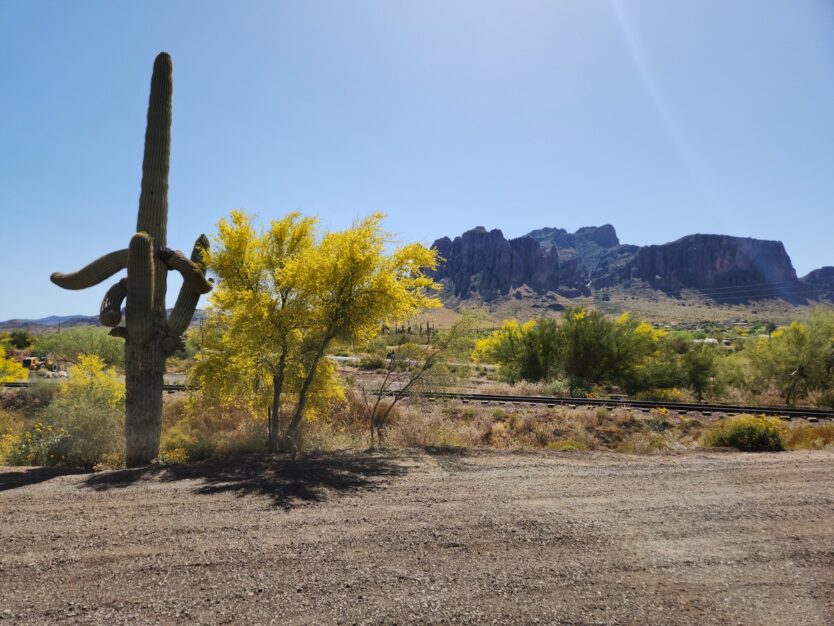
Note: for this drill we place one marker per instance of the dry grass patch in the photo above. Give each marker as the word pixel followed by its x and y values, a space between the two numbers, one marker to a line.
pixel 808 436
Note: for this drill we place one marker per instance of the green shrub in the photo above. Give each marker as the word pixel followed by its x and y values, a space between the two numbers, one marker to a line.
pixel 749 433
pixel 29 400
pixel 42 445
pixel 372 362
pixel 72 343
pixel 89 411
pixel 11 425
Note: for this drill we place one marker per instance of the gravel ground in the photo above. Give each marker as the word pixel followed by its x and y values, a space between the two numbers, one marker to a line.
pixel 425 537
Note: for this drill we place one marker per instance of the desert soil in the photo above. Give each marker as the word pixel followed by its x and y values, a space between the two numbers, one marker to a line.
pixel 425 537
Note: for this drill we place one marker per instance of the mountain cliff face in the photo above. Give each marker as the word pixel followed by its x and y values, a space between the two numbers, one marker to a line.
pixel 484 262
pixel 723 268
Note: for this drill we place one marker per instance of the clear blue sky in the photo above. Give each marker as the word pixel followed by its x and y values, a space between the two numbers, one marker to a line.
pixel 663 118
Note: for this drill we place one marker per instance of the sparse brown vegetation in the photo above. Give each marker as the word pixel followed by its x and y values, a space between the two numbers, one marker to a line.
pixel 455 425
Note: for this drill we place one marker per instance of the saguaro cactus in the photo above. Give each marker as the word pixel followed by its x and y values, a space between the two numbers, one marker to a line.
pixel 150 335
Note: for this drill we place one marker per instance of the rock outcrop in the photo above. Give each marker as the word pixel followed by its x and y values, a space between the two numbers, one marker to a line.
pixel 602 236
pixel 724 268
pixel 586 255
pixel 553 237
pixel 588 239
pixel 486 263
pixel 822 282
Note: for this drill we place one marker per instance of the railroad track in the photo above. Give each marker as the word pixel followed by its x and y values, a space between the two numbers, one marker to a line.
pixel 680 407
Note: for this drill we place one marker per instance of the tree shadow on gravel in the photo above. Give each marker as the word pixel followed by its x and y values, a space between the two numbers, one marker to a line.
pixel 32 476
pixel 311 478
pixel 450 459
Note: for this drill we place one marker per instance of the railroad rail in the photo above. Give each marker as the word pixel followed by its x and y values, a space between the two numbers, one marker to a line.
pixel 680 407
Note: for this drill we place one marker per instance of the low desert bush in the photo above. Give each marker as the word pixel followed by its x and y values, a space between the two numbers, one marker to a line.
pixel 602 415
pixel 194 429
pixel 90 409
pixel 645 443
pixel 39 445
pixel 669 394
pixel 749 433
pixel 20 439
pixel 327 435
pixel 343 426
pixel 28 400
pixel 82 426
pixel 423 424
pixel 10 421
pixel 825 399
pixel 372 362
pixel 526 388
pixel 11 425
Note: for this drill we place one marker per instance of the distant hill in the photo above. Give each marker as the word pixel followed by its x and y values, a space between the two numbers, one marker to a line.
pixel 47 323
pixel 53 322
pixel 720 268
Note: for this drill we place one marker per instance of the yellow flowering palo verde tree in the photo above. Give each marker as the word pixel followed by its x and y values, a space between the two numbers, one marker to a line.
pixel 506 347
pixel 259 313
pixel 286 295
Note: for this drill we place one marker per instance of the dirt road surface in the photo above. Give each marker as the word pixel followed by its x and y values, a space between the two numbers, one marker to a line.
pixel 425 537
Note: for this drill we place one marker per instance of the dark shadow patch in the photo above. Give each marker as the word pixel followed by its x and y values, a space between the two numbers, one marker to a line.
pixel 33 476
pixel 448 451
pixel 311 478
pixel 451 459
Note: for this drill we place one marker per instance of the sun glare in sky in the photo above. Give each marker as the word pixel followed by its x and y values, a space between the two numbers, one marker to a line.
pixel 663 119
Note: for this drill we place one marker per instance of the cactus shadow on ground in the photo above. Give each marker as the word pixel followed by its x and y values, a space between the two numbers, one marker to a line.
pixel 288 483
pixel 23 477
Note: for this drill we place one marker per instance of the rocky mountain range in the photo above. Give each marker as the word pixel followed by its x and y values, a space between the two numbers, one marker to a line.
pixel 486 265
pixel 720 267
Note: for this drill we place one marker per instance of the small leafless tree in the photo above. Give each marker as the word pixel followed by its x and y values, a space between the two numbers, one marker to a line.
pixel 411 366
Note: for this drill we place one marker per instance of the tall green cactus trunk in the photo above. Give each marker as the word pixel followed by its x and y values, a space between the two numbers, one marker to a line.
pixel 144 371
pixel 144 356
pixel 150 336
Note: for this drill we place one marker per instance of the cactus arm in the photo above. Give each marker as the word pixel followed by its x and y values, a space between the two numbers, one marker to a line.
pixel 171 344
pixel 188 297
pixel 140 289
pixel 192 274
pixel 118 331
pixel 94 273
pixel 110 313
